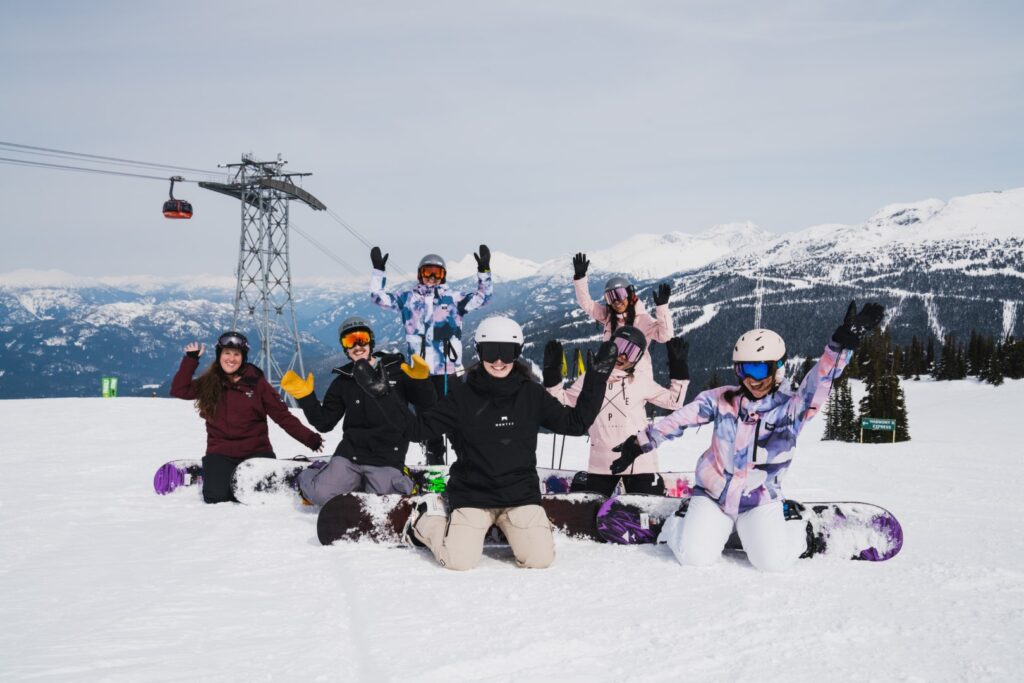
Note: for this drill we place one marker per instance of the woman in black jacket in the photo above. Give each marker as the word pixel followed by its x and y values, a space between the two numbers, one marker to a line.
pixel 492 419
pixel 371 455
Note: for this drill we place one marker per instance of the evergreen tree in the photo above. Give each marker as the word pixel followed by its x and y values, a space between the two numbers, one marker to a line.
pixel 883 394
pixel 929 357
pixel 994 371
pixel 848 427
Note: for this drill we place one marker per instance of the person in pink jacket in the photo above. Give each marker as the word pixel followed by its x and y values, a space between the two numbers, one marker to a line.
pixel 621 306
pixel 624 409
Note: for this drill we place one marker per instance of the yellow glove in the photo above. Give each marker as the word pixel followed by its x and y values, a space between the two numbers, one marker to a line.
pixel 296 386
pixel 419 369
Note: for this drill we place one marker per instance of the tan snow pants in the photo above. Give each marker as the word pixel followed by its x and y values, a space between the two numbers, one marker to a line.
pixel 458 541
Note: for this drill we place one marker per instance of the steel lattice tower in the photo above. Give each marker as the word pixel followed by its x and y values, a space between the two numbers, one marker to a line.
pixel 263 293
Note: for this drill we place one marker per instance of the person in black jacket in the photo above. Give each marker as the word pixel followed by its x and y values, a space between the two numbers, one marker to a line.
pixel 371 455
pixel 492 419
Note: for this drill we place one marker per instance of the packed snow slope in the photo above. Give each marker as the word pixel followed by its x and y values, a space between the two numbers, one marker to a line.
pixel 100 579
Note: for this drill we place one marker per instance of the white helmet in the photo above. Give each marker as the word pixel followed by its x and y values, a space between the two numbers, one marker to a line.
pixel 499 329
pixel 757 345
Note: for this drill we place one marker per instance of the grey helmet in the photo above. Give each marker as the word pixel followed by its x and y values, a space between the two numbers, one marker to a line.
pixel 355 323
pixel 619 283
pixel 432 260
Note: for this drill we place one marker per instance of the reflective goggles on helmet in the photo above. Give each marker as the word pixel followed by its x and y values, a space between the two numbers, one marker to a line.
pixel 233 340
pixel 617 294
pixel 356 338
pixel 624 347
pixel 491 352
pixel 436 272
pixel 757 369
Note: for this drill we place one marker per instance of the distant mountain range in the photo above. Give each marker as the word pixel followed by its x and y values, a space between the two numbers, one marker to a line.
pixel 939 267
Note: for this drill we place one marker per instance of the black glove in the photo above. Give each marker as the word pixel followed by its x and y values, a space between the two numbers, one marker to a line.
pixel 603 362
pixel 678 350
pixel 369 379
pixel 193 354
pixel 579 266
pixel 554 356
pixel 483 259
pixel 856 325
pixel 630 450
pixel 661 294
pixel 378 261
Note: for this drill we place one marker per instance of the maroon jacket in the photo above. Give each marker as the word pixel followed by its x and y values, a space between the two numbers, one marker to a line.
pixel 239 429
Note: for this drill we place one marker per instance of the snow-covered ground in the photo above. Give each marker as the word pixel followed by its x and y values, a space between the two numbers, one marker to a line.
pixel 100 579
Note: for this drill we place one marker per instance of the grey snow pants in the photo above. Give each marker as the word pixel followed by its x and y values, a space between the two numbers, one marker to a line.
pixel 341 476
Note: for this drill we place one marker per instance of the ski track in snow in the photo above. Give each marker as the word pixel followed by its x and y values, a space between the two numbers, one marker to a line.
pixel 1009 316
pixel 101 579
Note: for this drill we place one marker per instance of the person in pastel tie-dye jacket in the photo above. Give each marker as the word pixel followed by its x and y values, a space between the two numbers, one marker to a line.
pixel 756 424
pixel 432 318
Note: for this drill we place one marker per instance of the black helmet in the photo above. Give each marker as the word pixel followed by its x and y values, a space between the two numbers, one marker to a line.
pixel 233 340
pixel 631 342
pixel 353 323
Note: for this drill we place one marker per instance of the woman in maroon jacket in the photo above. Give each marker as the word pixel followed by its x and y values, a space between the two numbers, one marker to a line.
pixel 235 400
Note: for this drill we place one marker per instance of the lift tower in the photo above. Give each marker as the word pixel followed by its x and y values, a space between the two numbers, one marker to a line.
pixel 263 294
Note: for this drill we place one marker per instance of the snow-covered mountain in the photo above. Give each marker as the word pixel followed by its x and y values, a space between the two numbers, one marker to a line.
pixel 940 267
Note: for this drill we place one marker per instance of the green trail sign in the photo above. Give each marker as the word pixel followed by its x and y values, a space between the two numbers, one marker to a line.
pixel 878 424
pixel 108 385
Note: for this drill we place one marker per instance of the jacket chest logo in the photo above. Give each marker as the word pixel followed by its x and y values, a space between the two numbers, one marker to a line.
pixel 504 421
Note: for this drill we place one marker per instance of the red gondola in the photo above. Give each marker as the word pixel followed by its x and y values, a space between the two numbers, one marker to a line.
pixel 177 208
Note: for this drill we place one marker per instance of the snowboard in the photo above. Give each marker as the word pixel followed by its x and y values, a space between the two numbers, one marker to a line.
pixel 186 473
pixel 848 529
pixel 677 484
pixel 263 481
pixel 177 474
pixel 382 519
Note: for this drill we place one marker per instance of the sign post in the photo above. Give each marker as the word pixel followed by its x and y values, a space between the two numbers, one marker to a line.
pixel 877 424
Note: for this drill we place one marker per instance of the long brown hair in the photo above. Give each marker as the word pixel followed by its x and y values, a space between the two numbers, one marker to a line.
pixel 209 387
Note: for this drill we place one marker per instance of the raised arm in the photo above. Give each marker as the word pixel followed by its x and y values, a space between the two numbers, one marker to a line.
pixel 471 301
pixel 378 294
pixel 575 421
pixel 598 312
pixel 181 385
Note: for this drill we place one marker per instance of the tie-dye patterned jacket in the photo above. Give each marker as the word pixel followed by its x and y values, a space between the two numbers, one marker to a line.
pixel 753 441
pixel 432 318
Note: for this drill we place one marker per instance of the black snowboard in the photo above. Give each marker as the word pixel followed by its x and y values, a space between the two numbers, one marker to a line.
pixel 382 519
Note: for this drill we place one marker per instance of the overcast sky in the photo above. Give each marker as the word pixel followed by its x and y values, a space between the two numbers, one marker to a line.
pixel 540 128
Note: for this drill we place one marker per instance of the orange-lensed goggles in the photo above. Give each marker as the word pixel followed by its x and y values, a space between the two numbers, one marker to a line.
pixel 436 272
pixel 355 338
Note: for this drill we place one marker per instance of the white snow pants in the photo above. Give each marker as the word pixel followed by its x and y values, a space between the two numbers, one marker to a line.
pixel 698 539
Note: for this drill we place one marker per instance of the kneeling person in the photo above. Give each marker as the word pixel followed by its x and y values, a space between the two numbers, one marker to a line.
pixel 371 455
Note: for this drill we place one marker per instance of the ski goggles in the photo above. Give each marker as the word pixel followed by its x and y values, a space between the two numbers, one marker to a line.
pixel 756 369
pixel 356 338
pixel 624 347
pixel 436 272
pixel 491 352
pixel 232 340
pixel 617 294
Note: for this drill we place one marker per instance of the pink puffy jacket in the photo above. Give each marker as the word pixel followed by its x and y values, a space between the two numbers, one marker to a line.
pixel 623 414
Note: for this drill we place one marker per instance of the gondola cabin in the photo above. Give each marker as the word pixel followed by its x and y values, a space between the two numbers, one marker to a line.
pixel 177 208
